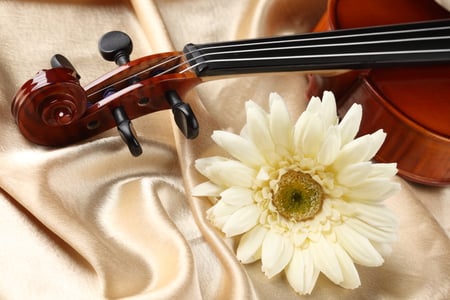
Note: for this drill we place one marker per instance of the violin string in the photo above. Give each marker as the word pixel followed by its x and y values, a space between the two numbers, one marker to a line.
pixel 285 39
pixel 311 56
pixel 253 43
pixel 211 54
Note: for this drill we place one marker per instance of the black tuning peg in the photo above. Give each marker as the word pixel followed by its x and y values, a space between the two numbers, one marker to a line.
pixel 183 115
pixel 60 61
pixel 116 46
pixel 126 131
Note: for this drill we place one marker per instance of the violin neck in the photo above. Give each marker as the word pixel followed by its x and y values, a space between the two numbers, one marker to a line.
pixel 362 48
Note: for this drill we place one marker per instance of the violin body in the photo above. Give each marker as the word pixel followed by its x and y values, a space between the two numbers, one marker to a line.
pixel 412 104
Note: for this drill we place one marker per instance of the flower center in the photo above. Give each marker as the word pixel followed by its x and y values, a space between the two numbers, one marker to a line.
pixel 298 197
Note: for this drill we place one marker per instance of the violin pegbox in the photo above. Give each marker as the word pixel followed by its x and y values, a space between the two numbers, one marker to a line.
pixel 117 46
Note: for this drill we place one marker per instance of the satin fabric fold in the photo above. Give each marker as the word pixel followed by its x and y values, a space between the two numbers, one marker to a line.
pixel 90 221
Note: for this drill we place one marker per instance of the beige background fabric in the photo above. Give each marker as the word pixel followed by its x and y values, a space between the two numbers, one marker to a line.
pixel 90 221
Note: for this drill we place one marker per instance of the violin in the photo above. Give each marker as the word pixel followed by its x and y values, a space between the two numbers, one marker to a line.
pixel 52 109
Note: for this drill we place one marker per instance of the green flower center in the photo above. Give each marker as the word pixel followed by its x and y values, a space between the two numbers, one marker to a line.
pixel 299 196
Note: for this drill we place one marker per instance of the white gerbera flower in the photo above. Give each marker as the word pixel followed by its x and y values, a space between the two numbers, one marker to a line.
pixel 305 198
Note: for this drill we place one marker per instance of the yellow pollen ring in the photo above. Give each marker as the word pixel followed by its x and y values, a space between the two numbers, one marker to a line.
pixel 298 197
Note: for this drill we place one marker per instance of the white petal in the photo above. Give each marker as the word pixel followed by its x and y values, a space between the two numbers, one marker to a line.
pixel 280 123
pixel 309 135
pixel 354 174
pixel 242 220
pixel 226 172
pixel 237 196
pixel 207 188
pixel 376 141
pixel 349 125
pixel 373 189
pixel 353 152
pixel 384 249
pixel 300 127
pixel 301 272
pixel 276 253
pixel 219 213
pixel 372 233
pixel 376 215
pixel 326 261
pixel 250 244
pixel 240 148
pixel 221 209
pixel 383 170
pixel 358 246
pixel 349 272
pixel 263 174
pixel 328 111
pixel 314 105
pixel 258 128
pixel 330 146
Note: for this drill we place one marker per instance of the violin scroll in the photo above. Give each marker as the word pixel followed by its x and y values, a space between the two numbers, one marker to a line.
pixel 53 99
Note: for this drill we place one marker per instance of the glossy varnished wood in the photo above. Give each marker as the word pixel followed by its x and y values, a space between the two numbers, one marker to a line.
pixel 136 86
pixel 412 104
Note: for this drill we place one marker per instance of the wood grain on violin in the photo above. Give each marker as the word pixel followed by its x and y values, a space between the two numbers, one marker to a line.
pixel 52 109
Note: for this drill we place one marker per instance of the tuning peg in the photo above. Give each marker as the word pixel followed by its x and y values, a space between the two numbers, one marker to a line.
pixel 126 130
pixel 60 61
pixel 116 46
pixel 183 114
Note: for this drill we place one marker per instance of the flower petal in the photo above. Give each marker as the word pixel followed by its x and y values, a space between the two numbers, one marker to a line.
pixel 375 215
pixel 383 170
pixel 239 147
pixel 328 109
pixel 308 134
pixel 220 212
pixel 372 233
pixel 301 272
pixel 225 172
pixel 237 196
pixel 373 189
pixel 257 128
pixel 352 152
pixel 354 174
pixel 330 146
pixel 207 188
pixel 326 261
pixel 376 141
pixel 349 126
pixel 349 272
pixel 382 248
pixel 279 122
pixel 299 128
pixel 314 105
pixel 221 209
pixel 358 246
pixel 276 253
pixel 242 220
pixel 250 245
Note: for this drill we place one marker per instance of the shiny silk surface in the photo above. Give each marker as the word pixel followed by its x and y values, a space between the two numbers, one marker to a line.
pixel 90 221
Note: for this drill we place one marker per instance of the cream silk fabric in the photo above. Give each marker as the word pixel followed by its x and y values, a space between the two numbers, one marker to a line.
pixel 91 222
